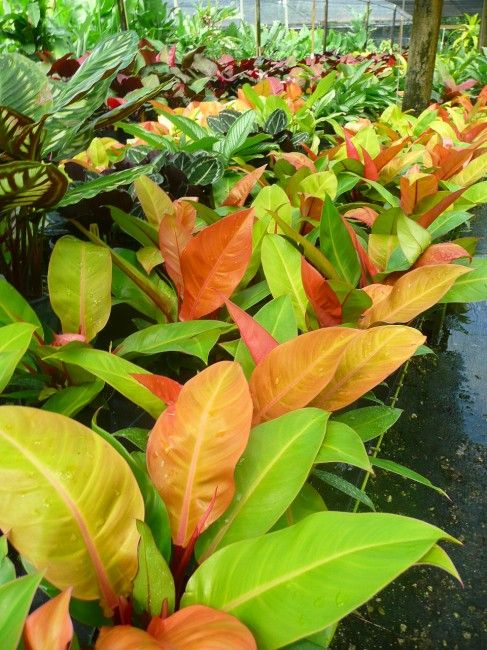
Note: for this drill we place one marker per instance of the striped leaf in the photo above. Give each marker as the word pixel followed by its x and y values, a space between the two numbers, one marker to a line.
pixel 28 184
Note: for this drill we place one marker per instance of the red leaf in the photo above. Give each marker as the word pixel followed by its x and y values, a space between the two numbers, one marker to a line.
pixel 428 217
pixel 451 162
pixel 365 215
pixel 214 262
pixel 368 267
pixel 387 154
pixel 115 102
pixel 352 152
pixel 323 299
pixel 175 231
pixel 171 56
pixel 242 188
pixel 164 387
pixel 441 254
pixel 256 338
pixel 50 626
pixel 298 160
pixel 370 170
pixel 413 191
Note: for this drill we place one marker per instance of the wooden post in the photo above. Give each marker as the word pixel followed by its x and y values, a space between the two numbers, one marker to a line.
pixel 367 22
pixel 325 27
pixel 122 10
pixel 286 14
pixel 393 28
pixel 401 25
pixel 257 27
pixel 422 54
pixel 313 26
pixel 483 27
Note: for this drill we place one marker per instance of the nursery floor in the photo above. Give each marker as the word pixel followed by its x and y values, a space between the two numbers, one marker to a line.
pixel 443 435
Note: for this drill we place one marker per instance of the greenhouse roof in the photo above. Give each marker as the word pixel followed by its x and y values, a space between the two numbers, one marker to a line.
pixel 450 7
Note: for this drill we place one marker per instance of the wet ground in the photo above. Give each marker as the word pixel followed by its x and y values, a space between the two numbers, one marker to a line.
pixel 443 435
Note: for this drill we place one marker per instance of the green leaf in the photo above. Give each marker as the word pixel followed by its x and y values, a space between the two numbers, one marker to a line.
pixel 323 86
pixel 282 269
pixel 133 101
pixel 114 371
pixel 192 337
pixel 25 87
pixel 336 244
pixel 153 140
pixel 370 421
pixel 392 200
pixel 237 134
pixel 136 435
pixel 405 472
pixel 189 127
pixel 320 185
pixel 14 308
pixel 14 343
pixel 437 557
pixel 153 583
pixel 71 400
pixel 308 501
pixel 323 567
pixel 413 238
pixel 446 222
pixel 15 600
pixel 89 189
pixel 80 281
pixel 24 183
pixel 140 230
pixel 277 317
pixel 344 486
pixel 251 296
pixel 268 477
pixel 343 445
pixel 7 569
pixel 471 287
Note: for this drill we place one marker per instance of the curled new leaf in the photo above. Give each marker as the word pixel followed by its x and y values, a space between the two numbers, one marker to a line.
pixel 79 537
pixel 50 626
pixel 294 373
pixel 195 445
pixel 214 262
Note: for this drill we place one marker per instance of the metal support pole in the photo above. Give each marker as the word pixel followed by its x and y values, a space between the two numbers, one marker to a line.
pixel 367 20
pixel 401 25
pixel 242 14
pixel 393 28
pixel 313 26
pixel 286 14
pixel 325 27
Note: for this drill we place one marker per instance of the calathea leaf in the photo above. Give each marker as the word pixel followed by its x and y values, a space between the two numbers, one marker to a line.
pixel 98 557
pixel 30 184
pixel 20 137
pixel 276 122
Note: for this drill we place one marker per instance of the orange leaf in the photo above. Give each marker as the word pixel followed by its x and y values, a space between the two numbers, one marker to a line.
pixel 198 627
pixel 242 188
pixel 256 338
pixel 415 189
pixel 298 160
pixel 427 218
pixel 164 387
pixel 295 372
pixel 365 215
pixel 323 299
pixel 367 361
pixel 175 232
pixel 50 626
pixel 452 161
pixel 352 152
pixel 125 637
pixel 370 170
pixel 413 293
pixel 387 154
pixel 195 445
pixel 441 254
pixel 214 262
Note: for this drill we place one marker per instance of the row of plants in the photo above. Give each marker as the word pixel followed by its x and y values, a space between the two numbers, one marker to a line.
pixel 233 285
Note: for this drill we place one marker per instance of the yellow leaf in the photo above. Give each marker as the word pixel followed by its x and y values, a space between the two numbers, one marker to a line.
pixel 154 201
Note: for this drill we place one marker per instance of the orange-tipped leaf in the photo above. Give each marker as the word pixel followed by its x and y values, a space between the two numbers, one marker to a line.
pixel 323 299
pixel 50 626
pixel 175 231
pixel 256 338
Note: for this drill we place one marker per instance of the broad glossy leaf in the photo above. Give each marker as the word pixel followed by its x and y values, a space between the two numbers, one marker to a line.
pixel 192 628
pixel 15 600
pixel 320 185
pixel 282 269
pixel 268 477
pixel 7 568
pixel 242 188
pixel 25 183
pixel 323 299
pixel 70 400
pixel 257 339
pixel 165 388
pixel 336 244
pixel 294 373
pixel 342 485
pixel 343 445
pixel 175 232
pixel 49 627
pixel 324 567
pixel 80 281
pixel 214 262
pixel 471 287
pixel 413 238
pixel 441 254
pixel 115 371
pixel 367 361
pixel 154 201
pixel 413 293
pixel 195 445
pixel 153 584
pixel 308 501
pixel 277 317
pixel 428 217
pixel 194 337
pixel 15 308
pixel 370 421
pixel 472 173
pixel 14 342
pixel 140 230
pixel 48 501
